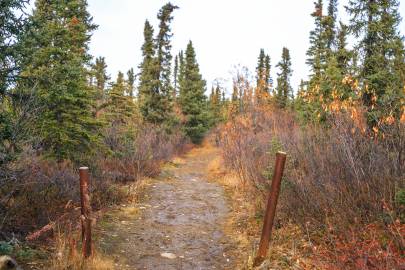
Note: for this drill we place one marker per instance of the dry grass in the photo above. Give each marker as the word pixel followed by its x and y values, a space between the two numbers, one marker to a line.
pixel 289 248
pixel 217 172
pixel 67 256
pixel 178 161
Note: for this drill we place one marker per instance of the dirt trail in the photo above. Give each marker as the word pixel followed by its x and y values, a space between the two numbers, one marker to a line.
pixel 178 224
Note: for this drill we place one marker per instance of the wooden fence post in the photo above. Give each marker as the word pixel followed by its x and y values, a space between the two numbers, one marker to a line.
pixel 271 208
pixel 85 212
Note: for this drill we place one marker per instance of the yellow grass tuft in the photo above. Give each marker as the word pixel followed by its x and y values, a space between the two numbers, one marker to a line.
pixel 67 256
pixel 178 161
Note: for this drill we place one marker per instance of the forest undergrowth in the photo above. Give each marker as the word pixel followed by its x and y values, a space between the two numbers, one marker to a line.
pixel 341 204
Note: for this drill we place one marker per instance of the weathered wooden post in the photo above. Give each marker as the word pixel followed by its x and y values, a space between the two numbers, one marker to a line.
pixel 85 212
pixel 271 208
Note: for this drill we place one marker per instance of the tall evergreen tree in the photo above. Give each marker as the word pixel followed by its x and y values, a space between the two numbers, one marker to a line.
pixel 237 98
pixel 337 67
pixel 260 69
pixel 164 60
pixel 217 99
pixel 267 76
pixel 263 77
pixel 100 74
pixel 301 88
pixel 284 89
pixel 192 98
pixel 131 82
pixel 155 88
pixel 148 93
pixel 55 60
pixel 180 74
pixel 343 55
pixel 216 104
pixel 317 50
pixel 329 23
pixel 11 27
pixel 223 99
pixel 212 95
pixel 376 23
pixel 120 107
pixel 101 78
pixel 176 75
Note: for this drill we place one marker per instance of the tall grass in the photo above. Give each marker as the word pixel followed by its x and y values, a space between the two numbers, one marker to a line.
pixel 67 256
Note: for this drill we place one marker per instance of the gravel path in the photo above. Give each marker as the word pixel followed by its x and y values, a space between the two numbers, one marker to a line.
pixel 178 225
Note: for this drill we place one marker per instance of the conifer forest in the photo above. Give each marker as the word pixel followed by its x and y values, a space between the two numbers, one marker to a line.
pixel 160 167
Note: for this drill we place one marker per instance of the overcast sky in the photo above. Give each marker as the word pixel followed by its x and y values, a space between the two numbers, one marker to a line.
pixel 225 33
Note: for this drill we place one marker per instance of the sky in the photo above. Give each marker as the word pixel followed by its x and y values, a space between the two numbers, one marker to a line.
pixel 225 33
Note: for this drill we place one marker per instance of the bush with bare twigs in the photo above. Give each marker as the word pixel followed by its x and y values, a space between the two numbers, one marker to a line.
pixel 35 191
pixel 342 185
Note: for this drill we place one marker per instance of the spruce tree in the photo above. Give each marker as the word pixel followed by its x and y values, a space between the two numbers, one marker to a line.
pixel 176 75
pixel 381 46
pixel 301 88
pixel 99 72
pixel 180 74
pixel 318 47
pixel 164 59
pixel 212 94
pixel 215 104
pixel 284 89
pixel 262 77
pixel 11 27
pixel 223 99
pixel 260 69
pixel 217 99
pixel 100 75
pixel 148 93
pixel 131 83
pixel 54 64
pixel 267 76
pixel 333 81
pixel 322 59
pixel 329 23
pixel 192 98
pixel 337 66
pixel 343 55
pixel 301 105
pixel 155 89
pixel 120 107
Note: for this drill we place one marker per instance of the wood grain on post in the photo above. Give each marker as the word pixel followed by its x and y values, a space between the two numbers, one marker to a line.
pixel 85 211
pixel 271 208
pixel 88 247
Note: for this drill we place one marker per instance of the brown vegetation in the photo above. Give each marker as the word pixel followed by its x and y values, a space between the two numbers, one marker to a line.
pixel 342 185
pixel 67 256
pixel 36 191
